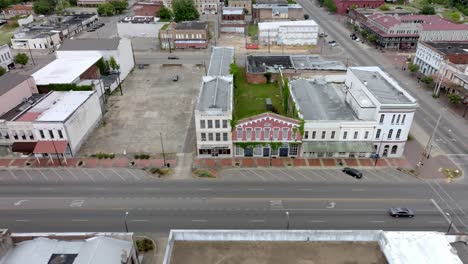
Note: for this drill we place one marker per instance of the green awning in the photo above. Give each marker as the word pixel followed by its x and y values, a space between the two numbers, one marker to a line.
pixel 337 146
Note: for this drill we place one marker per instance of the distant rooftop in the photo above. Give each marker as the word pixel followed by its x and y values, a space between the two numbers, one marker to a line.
pixel 276 24
pixel 220 62
pixel 10 80
pixel 285 2
pixel 233 10
pixel 139 19
pixel 289 6
pixel 449 47
pixel 380 87
pixel 319 100
pixel 64 70
pixel 216 93
pixel 191 25
pixel 271 63
pixel 428 22
pixel 90 44
pixel 58 106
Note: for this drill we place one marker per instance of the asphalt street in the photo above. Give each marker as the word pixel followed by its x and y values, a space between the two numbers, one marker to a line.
pixel 452 129
pixel 161 206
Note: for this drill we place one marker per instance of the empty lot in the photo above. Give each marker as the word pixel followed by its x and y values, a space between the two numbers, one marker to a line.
pixel 152 104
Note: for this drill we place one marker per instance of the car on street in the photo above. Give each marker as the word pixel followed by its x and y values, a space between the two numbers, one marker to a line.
pixel 353 172
pixel 323 35
pixel 331 41
pixel 91 30
pixel 172 58
pixel 401 212
pixel 175 78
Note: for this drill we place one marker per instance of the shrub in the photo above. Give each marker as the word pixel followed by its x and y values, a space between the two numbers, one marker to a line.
pixel 428 10
pixel 454 99
pixel 384 7
pixel 413 67
pixel 144 245
pixel 204 174
pixel 2 71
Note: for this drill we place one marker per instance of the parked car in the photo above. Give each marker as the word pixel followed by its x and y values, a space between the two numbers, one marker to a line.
pixel 331 41
pixel 401 212
pixel 358 39
pixel 323 35
pixel 353 172
pixel 172 58
pixel 175 78
pixel 91 30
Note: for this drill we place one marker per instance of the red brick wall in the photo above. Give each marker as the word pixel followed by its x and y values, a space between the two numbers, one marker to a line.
pixel 343 5
pixel 458 58
pixel 267 123
pixel 91 73
pixel 146 10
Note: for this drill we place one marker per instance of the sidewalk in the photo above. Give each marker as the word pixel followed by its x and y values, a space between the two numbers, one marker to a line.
pixel 119 162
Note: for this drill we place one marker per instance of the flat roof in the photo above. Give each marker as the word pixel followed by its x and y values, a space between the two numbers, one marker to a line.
pixel 220 62
pixel 216 93
pixel 319 100
pixel 449 47
pixel 191 25
pixel 263 63
pixel 10 80
pixel 58 106
pixel 17 112
pixel 378 84
pixel 41 250
pixel 64 70
pixel 233 10
pixel 268 6
pixel 90 44
pixel 276 24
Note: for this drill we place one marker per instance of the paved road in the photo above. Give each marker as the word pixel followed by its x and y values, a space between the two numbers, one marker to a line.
pixel 160 206
pixel 452 133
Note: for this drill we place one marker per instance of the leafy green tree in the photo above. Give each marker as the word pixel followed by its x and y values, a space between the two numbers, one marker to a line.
pixel 2 71
pixel 72 2
pixel 43 7
pixel 165 14
pixel 21 58
pixel 454 99
pixel 413 67
pixel 384 7
pixel 428 80
pixel 106 9
pixel 4 4
pixel 101 64
pixel 455 17
pixel 306 16
pixel 330 5
pixel 61 6
pixel 372 38
pixel 184 10
pixel 428 10
pixel 113 64
pixel 119 6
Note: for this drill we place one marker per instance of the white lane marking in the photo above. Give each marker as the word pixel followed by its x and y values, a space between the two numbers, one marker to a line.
pixel 22 220
pixel 151 189
pixel 357 190
pixel 77 203
pixel 80 220
pixel 89 175
pixel 331 205
pixel 305 189
pixel 437 222
pixel 100 188
pixel 255 189
pixel 139 220
pixel 257 220
pixel 204 189
pixel 316 221
pixel 45 189
pixel 444 215
pixel 19 202
pixel 199 220
pixel 376 221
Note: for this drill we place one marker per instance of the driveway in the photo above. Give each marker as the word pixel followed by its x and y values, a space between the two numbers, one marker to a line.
pixel 152 105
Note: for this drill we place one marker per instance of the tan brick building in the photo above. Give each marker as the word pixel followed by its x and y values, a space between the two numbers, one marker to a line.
pixel 189 34
pixel 275 12
pixel 247 4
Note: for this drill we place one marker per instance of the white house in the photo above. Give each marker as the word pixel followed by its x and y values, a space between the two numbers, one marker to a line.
pixel 6 59
pixel 429 55
pixel 301 32
pixel 36 38
pixel 51 124
pixel 119 48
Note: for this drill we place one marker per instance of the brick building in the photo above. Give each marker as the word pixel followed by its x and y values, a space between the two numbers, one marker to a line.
pixel 189 34
pixel 429 55
pixel 343 6
pixel 207 7
pixel 277 12
pixel 147 8
pixel 244 4
pixel 233 20
pixel 20 9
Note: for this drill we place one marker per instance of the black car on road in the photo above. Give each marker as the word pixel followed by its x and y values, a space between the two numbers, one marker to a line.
pixel 401 212
pixel 353 172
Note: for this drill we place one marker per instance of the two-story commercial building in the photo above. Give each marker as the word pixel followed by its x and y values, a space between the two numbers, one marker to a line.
pixel 188 34
pixel 213 113
pixel 277 12
pixel 233 20
pixel 244 4
pixel 300 32
pixel 429 55
pixel 6 59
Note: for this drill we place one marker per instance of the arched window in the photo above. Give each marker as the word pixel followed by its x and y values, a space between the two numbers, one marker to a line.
pixel 394 149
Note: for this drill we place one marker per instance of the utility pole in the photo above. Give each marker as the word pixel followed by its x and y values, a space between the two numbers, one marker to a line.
pixel 125 221
pixel 30 54
pixel 427 150
pixel 287 216
pixel 439 81
pixel 162 147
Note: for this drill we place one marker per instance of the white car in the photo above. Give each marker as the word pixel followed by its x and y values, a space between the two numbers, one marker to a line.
pixel 358 39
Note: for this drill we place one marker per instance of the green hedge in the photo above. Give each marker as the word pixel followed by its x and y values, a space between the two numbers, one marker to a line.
pixel 66 87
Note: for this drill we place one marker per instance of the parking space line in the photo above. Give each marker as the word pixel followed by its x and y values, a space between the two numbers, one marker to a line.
pixel 295 174
pixel 102 174
pixel 316 173
pixel 241 172
pixel 123 179
pixel 76 178
pixel 60 176
pixel 278 178
pixel 346 178
pixel 134 175
pixel 89 175
pixel 384 179
pixel 261 177
pixel 300 173
pixel 29 175
pixel 286 174
pixel 443 214
pixel 43 175
pixel 14 175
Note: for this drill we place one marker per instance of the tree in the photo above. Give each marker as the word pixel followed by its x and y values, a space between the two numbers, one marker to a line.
pixel 330 5
pixel 184 10
pixel 4 4
pixel 113 64
pixel 226 2
pixel 43 7
pixel 428 10
pixel 2 71
pixel 21 58
pixel 454 98
pixel 306 16
pixel 384 7
pixel 102 66
pixel 372 38
pixel 61 6
pixel 455 17
pixel 245 10
pixel 413 67
pixel 106 9
pixel 119 6
pixel 428 80
pixel 165 13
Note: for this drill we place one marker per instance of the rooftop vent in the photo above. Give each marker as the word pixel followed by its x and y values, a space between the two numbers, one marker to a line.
pixel 365 83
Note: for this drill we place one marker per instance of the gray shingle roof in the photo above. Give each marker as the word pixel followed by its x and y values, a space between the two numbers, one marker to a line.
pixel 10 80
pixel 90 44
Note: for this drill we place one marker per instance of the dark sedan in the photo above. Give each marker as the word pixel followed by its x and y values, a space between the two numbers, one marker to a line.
pixel 353 172
pixel 401 212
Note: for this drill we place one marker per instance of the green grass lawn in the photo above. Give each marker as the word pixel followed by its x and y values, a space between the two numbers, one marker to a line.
pixel 250 98
pixel 448 15
pixel 252 30
pixel 5 34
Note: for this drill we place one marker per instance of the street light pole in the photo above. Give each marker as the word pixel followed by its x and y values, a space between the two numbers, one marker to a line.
pixel 162 147
pixel 287 216
pixel 451 223
pixel 378 150
pixel 126 227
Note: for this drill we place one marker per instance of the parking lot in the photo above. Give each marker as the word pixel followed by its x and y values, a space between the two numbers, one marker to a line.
pixel 73 175
pixel 378 175
pixel 152 104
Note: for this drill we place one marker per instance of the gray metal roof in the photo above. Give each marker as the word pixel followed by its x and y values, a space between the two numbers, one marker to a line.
pixel 10 80
pixel 221 59
pixel 319 100
pixel 311 62
pixel 382 90
pixel 216 93
pixel 90 44
pixel 191 25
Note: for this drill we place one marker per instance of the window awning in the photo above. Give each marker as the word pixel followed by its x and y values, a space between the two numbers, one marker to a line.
pixel 337 146
pixel 51 146
pixel 23 147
